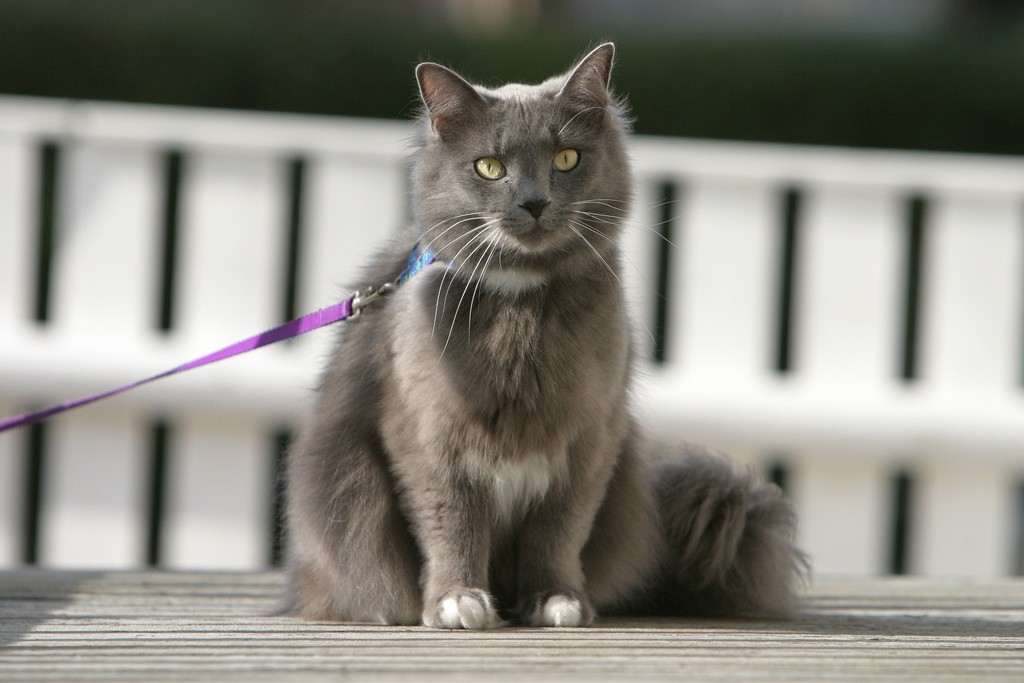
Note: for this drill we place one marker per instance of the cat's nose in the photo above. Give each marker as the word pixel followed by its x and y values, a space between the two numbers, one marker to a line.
pixel 535 206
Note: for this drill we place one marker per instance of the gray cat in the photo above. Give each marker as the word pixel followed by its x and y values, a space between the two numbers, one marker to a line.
pixel 472 456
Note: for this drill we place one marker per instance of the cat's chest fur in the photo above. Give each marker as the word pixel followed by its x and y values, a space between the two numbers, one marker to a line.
pixel 526 357
pixel 518 482
pixel 507 386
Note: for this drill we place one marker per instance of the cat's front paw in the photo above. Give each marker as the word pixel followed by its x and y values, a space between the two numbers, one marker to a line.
pixel 465 608
pixel 562 610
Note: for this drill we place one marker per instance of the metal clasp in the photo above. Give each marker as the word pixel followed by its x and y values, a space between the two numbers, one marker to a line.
pixel 361 299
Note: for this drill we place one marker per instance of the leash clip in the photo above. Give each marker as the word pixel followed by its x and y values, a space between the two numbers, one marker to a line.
pixel 361 300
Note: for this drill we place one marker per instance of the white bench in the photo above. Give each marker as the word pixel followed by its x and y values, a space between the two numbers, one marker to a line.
pixel 784 335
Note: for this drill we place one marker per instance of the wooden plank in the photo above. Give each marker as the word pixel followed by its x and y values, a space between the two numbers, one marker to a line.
pixel 183 627
pixel 195 127
pixel 722 293
pixel 12 487
pixel 93 508
pixel 18 172
pixel 232 246
pixel 844 512
pixel 105 288
pixel 965 520
pixel 974 293
pixel 811 164
pixel 219 495
pixel 850 250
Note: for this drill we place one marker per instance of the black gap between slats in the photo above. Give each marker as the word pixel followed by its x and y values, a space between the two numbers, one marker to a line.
pixel 296 174
pixel 160 437
pixel 902 491
pixel 46 228
pixel 168 266
pixel 35 463
pixel 916 216
pixel 788 253
pixel 668 194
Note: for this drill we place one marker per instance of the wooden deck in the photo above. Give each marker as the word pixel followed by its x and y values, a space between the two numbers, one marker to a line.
pixel 177 626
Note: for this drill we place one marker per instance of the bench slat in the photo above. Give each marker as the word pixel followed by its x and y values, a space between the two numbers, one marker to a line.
pixel 105 287
pixel 974 293
pixel 849 288
pixel 964 520
pixel 844 509
pixel 722 293
pixel 232 245
pixel 18 170
pixel 93 512
pixel 12 503
pixel 219 494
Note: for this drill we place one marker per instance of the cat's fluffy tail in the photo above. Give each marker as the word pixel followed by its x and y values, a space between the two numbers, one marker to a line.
pixel 730 541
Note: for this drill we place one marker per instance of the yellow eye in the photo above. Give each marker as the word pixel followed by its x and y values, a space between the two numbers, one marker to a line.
pixel 567 159
pixel 489 168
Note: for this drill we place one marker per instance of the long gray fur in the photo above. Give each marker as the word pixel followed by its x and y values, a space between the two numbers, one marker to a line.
pixel 472 456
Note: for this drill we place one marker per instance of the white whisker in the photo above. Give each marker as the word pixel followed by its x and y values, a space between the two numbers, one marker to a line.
pixel 610 220
pixel 470 235
pixel 647 283
pixel 573 226
pixel 607 203
pixel 455 316
pixel 610 204
pixel 494 240
pixel 593 230
pixel 464 218
pixel 600 218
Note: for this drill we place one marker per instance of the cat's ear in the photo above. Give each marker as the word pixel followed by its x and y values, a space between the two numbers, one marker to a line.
pixel 586 87
pixel 449 99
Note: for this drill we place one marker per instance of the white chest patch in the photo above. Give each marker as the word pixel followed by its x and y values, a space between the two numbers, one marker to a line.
pixel 520 483
pixel 513 282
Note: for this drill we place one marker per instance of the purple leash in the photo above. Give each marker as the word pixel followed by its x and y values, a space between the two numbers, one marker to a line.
pixel 348 309
pixel 307 323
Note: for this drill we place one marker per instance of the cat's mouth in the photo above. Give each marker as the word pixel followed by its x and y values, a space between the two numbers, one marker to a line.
pixel 534 237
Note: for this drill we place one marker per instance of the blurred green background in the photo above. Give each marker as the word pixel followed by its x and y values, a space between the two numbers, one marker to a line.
pixel 936 75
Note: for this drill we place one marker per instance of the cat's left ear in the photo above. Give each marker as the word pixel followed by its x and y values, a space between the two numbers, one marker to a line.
pixel 586 87
pixel 450 100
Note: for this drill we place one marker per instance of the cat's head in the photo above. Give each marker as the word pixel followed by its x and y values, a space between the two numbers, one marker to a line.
pixel 522 178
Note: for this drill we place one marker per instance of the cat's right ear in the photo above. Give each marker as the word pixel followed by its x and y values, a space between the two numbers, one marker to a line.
pixel 449 99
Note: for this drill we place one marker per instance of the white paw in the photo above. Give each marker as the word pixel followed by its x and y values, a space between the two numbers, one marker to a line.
pixel 562 611
pixel 467 611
